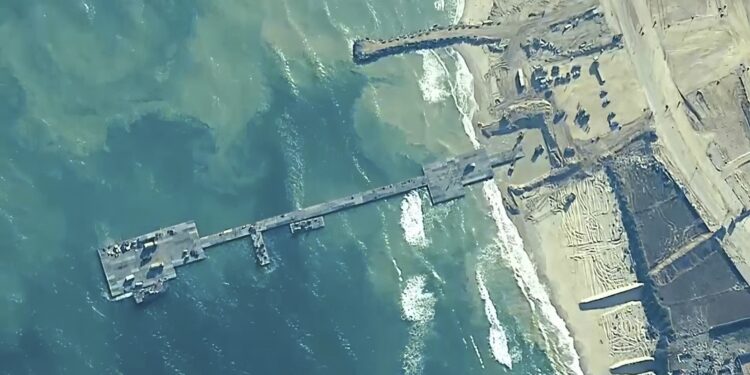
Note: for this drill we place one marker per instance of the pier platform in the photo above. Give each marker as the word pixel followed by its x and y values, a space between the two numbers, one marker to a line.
pixel 140 267
pixel 446 180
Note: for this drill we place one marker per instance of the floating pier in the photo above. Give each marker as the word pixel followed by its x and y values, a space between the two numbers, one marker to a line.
pixel 141 266
pixel 368 50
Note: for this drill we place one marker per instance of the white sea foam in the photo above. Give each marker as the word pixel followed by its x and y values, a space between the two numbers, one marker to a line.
pixel 553 329
pixel 375 100
pixel 398 269
pixel 327 9
pixel 98 312
pixel 417 305
pixel 287 70
pixel 293 158
pixel 458 9
pixel 557 338
pixel 386 238
pixel 434 81
pixel 345 31
pixel 320 68
pixel 412 360
pixel 373 14
pixel 359 169
pixel 418 308
pixel 436 216
pixel 463 96
pixel 435 275
pixel 345 343
pixel 497 337
pixel 412 221
pixel 476 351
pixel 89 9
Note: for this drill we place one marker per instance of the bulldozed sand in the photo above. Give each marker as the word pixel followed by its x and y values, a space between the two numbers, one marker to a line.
pixel 670 74
pixel 582 249
pixel 634 191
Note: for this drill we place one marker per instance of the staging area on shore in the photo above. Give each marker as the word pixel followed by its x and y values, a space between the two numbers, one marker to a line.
pixel 632 196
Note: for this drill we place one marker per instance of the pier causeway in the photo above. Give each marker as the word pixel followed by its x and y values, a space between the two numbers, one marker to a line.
pixel 141 266
pixel 367 50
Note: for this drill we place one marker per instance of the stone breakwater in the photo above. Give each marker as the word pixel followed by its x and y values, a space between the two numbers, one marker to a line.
pixel 367 50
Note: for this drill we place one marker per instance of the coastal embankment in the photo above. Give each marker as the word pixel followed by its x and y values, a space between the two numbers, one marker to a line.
pixel 368 50
pixel 517 250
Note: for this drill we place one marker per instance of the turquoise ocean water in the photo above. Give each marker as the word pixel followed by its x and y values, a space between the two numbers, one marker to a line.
pixel 117 118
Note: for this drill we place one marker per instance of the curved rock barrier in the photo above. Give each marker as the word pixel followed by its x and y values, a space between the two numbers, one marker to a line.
pixel 367 50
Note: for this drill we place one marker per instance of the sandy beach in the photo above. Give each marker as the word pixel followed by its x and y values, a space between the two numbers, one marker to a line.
pixel 477 61
pixel 476 11
pixel 610 103
pixel 582 255
pixel 572 271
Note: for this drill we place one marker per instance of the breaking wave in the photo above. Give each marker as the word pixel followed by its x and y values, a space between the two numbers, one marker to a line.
pixel 463 96
pixel 434 81
pixel 360 170
pixel 556 335
pixel 476 351
pixel 287 71
pixel 417 305
pixel 312 54
pixel 417 308
pixel 293 157
pixel 458 10
pixel 345 31
pixel 412 221
pixel 557 338
pixel 398 270
pixel 498 339
pixel 373 14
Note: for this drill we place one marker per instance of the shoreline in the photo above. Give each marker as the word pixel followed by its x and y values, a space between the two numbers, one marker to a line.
pixel 535 249
pixel 477 62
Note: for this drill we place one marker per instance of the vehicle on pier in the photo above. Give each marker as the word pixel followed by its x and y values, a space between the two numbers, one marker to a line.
pixel 145 294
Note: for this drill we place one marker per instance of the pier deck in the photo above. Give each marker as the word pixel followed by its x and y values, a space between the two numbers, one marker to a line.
pixel 140 266
pixel 353 200
pixel 145 262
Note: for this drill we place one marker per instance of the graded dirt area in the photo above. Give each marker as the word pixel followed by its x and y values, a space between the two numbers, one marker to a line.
pixel 671 73
pixel 703 40
pixel 620 90
pixel 582 250
pixel 682 149
pixel 528 168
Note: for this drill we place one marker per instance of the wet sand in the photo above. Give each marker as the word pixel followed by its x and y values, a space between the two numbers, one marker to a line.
pixel 566 278
pixel 476 11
